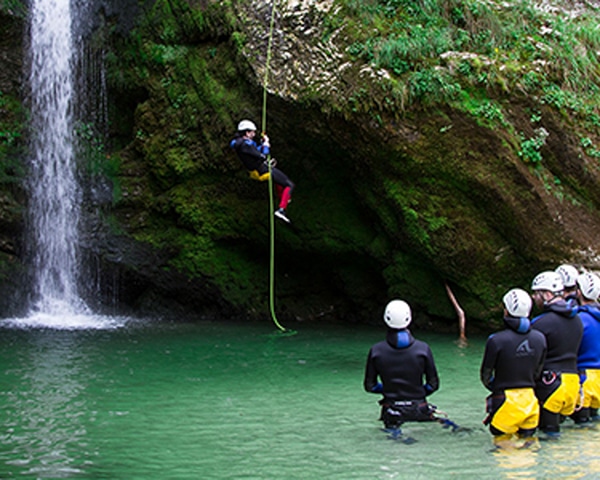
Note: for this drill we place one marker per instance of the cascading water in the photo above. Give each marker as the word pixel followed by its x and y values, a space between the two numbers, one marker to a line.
pixel 54 191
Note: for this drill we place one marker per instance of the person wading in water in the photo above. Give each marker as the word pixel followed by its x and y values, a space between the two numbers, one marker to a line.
pixel 406 369
pixel 558 388
pixel 511 366
pixel 588 358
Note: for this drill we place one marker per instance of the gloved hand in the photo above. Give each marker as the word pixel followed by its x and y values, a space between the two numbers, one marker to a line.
pixel 377 388
pixel 265 140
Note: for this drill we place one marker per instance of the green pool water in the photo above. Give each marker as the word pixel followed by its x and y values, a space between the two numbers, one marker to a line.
pixel 157 400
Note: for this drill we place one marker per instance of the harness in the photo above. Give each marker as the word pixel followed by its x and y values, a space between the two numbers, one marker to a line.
pixel 262 177
pixel 254 175
pixel 394 414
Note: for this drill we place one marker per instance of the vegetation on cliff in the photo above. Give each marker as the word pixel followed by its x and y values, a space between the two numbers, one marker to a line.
pixel 431 142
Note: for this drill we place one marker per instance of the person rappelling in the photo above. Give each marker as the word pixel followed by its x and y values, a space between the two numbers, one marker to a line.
pixel 255 157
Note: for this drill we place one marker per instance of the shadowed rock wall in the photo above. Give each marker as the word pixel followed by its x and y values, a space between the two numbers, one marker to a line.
pixel 392 200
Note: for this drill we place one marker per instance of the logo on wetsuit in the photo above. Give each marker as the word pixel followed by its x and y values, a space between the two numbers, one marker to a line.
pixel 524 350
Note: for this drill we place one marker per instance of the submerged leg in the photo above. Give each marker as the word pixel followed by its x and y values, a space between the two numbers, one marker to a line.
pixel 503 441
pixel 581 416
pixel 549 423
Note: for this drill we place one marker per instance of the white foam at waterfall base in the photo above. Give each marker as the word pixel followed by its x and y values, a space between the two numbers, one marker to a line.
pixel 43 320
pixel 59 315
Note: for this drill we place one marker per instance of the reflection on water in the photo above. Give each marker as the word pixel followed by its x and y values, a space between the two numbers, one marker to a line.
pixel 234 401
pixel 44 431
pixel 518 459
pixel 574 455
pixel 588 446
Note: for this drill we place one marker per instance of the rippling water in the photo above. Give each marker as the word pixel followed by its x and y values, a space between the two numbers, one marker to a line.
pixel 135 400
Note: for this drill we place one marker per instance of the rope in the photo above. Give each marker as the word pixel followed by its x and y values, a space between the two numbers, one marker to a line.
pixel 266 81
pixel 271 203
pixel 581 398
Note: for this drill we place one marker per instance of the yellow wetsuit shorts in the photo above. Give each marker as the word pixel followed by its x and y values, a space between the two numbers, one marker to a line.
pixel 591 388
pixel 564 396
pixel 519 411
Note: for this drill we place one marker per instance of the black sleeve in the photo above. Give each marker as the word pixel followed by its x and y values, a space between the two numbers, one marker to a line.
pixel 540 367
pixel 250 150
pixel 487 365
pixel 431 375
pixel 370 374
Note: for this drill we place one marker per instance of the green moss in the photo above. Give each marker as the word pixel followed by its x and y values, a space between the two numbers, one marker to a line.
pixel 487 112
pixel 233 271
pixel 403 184
pixel 11 131
pixel 231 267
pixel 420 211
pixel 416 282
pixel 17 8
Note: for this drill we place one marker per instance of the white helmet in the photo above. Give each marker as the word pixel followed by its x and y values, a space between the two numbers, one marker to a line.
pixel 550 281
pixel 569 275
pixel 517 302
pixel 397 314
pixel 589 284
pixel 246 125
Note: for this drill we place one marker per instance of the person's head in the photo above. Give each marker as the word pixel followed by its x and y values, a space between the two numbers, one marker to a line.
pixel 588 288
pixel 547 286
pixel 247 128
pixel 569 275
pixel 517 303
pixel 397 314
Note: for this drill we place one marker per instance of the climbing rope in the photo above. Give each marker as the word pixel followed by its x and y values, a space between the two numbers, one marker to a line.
pixel 269 163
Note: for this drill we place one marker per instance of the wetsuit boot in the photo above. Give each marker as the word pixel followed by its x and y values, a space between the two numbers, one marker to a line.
pixel 549 423
pixel 581 416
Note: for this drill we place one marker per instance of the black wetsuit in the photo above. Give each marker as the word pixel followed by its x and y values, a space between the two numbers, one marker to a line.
pixel 558 390
pixel 512 364
pixel 403 364
pixel 513 357
pixel 253 157
pixel 563 331
pixel 250 154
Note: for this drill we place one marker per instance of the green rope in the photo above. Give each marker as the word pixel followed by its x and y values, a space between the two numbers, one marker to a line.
pixel 266 81
pixel 271 203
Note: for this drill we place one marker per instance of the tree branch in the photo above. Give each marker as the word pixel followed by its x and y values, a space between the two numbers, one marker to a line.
pixel 462 321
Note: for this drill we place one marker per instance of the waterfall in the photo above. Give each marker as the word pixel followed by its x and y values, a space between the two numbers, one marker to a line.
pixel 55 196
pixel 53 235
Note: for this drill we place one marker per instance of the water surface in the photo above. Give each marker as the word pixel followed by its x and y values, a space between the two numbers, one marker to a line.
pixel 139 400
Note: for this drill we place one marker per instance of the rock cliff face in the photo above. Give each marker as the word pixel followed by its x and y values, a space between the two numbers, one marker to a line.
pixel 396 196
pixel 12 116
